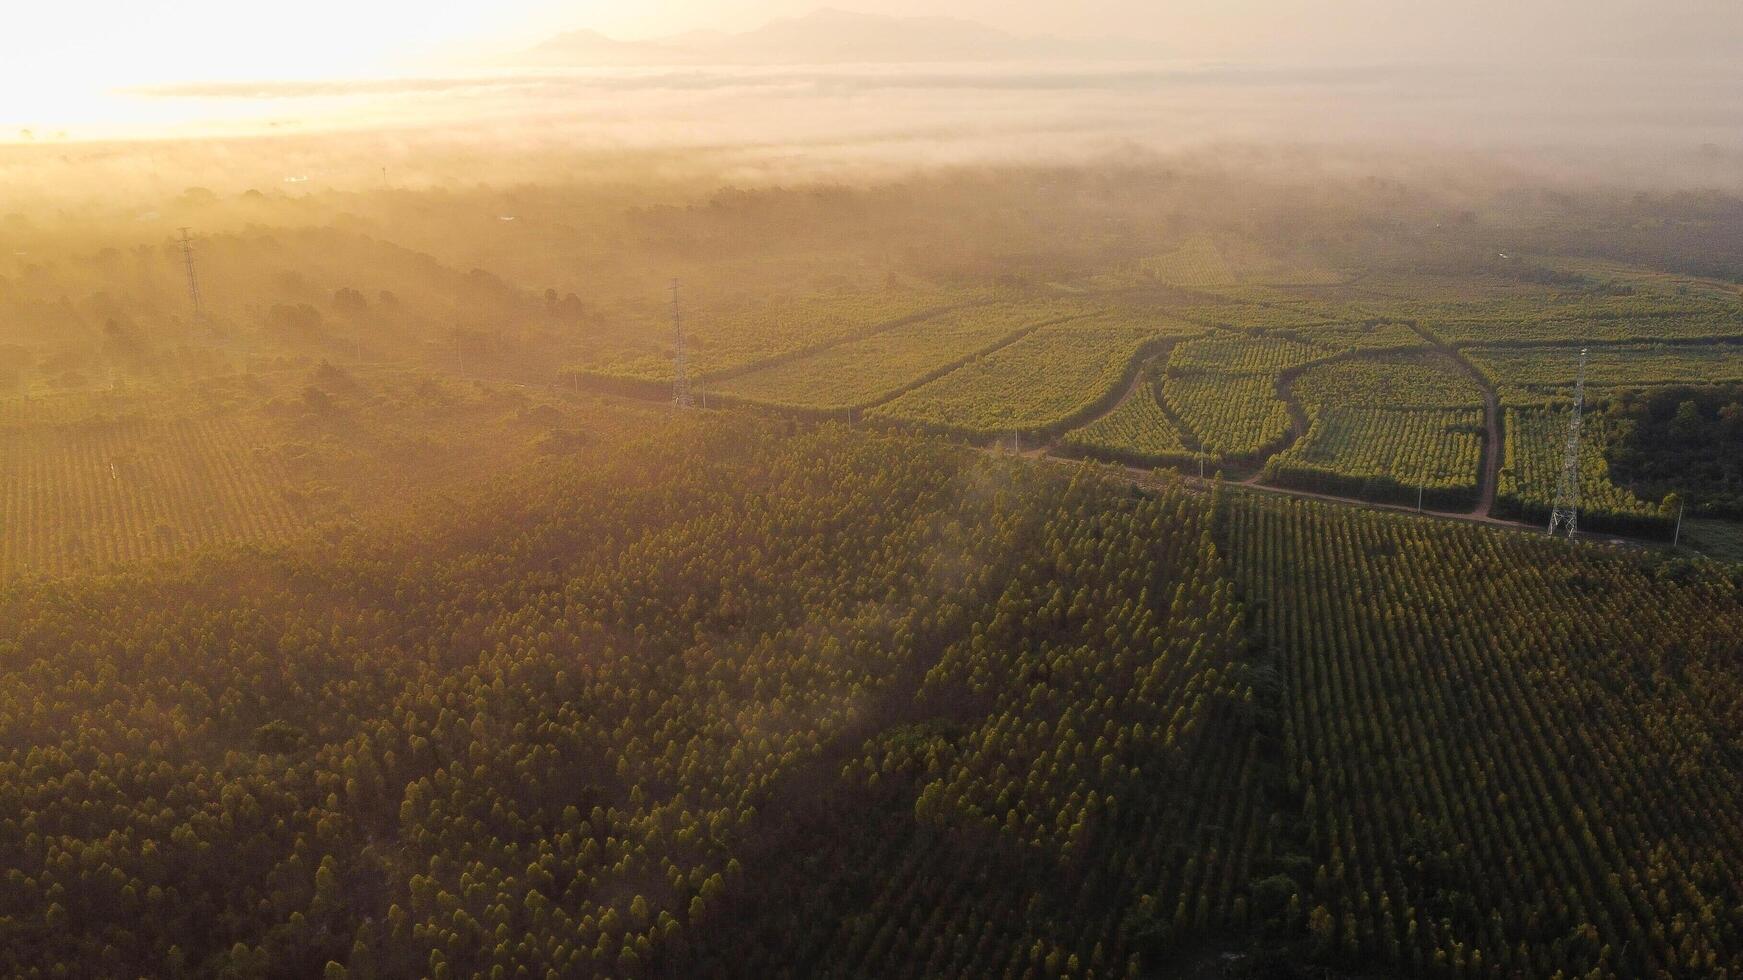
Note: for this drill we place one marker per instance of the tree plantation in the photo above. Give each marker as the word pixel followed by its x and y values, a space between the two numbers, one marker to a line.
pixel 702 698
pixel 570 563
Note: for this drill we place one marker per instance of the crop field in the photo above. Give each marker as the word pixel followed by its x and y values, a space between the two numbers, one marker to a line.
pixel 1223 389
pixel 1231 262
pixel 1536 439
pixel 1383 429
pixel 1045 382
pixel 1472 294
pixel 1137 431
pixel 99 479
pixel 1364 335
pixel 1492 308
pixel 1245 313
pixel 1548 368
pixel 1696 324
pixel 1514 396
pixel 860 373
pixel 63 407
pixel 1386 454
pixel 1423 381
pixel 739 337
pixel 94 494
pixel 1231 417
pixel 1235 354
pixel 1197 262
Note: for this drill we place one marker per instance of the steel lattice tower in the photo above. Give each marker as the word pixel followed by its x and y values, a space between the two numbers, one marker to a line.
pixel 680 361
pixel 187 245
pixel 1567 489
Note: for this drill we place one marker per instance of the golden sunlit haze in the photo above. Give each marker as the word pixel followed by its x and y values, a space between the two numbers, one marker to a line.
pixel 74 69
pixel 61 63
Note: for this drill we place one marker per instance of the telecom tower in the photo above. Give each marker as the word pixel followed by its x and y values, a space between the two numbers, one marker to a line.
pixel 187 245
pixel 680 362
pixel 1567 489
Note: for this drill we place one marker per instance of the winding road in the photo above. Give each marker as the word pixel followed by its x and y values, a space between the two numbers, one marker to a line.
pixel 1482 512
pixel 1493 446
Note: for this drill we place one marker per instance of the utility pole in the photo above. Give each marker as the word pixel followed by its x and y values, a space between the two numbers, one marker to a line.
pixel 1567 489
pixel 187 245
pixel 680 362
pixel 1680 506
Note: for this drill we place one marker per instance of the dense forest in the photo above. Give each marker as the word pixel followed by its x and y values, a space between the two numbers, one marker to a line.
pixel 704 698
pixel 1682 440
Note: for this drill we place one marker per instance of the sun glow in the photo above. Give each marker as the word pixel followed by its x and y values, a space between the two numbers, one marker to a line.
pixel 78 68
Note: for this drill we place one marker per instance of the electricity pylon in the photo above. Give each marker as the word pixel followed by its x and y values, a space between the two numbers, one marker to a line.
pixel 680 362
pixel 1567 490
pixel 187 245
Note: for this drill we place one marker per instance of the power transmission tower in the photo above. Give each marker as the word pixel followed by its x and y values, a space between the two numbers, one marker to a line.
pixel 1567 489
pixel 187 245
pixel 680 362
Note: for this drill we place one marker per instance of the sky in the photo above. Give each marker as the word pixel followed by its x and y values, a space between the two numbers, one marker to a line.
pixel 172 40
pixel 58 59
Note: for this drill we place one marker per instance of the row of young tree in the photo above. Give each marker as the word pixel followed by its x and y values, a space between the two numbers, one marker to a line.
pixel 543 729
pixel 1513 756
pixel 700 699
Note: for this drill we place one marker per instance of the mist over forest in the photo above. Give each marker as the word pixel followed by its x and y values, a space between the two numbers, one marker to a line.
pixel 720 489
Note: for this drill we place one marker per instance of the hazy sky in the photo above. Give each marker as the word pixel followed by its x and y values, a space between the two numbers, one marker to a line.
pixel 167 39
pixel 57 57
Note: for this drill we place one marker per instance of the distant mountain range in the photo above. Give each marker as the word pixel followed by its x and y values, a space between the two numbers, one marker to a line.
pixel 826 36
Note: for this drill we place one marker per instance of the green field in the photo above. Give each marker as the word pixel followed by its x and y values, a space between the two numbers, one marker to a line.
pixel 1225 353
pixel 1546 369
pixel 1392 382
pixel 1232 418
pixel 731 339
pixel 1398 428
pixel 1536 441
pixel 1138 431
pixel 860 373
pixel 1386 454
pixel 1371 335
pixel 93 481
pixel 1044 383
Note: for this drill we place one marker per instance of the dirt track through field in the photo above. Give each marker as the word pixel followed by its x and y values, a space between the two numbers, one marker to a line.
pixel 1493 447
pixel 1138 379
pixel 1482 514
